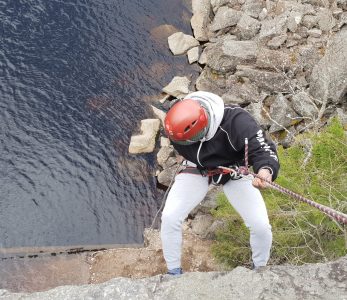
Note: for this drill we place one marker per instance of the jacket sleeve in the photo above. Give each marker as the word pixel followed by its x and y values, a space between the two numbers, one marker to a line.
pixel 261 150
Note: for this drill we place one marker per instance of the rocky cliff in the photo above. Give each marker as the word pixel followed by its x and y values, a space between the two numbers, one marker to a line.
pixel 312 281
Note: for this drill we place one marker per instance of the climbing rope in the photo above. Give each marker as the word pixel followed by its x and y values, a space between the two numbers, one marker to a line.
pixel 244 171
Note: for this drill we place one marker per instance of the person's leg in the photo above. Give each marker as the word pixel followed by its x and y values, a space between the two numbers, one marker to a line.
pixel 249 203
pixel 187 192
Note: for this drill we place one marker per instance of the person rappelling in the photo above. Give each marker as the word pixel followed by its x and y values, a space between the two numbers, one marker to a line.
pixel 210 135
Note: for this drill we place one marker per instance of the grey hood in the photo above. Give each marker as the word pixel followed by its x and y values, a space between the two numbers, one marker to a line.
pixel 215 106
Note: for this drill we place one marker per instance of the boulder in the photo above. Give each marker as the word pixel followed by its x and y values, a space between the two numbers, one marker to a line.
pixel 304 105
pixel 310 21
pixel 273 27
pixel 282 114
pixel 253 7
pixel 256 110
pixel 266 80
pixel 164 154
pixel 326 20
pixel 165 176
pixel 294 20
pixel 225 17
pixel 329 76
pixel 180 43
pixel 179 86
pixel 248 27
pixel 240 92
pixel 200 19
pixel 211 81
pixel 145 142
pixel 227 53
pixel 193 55
pixel 159 113
pixel 274 60
pixel 277 41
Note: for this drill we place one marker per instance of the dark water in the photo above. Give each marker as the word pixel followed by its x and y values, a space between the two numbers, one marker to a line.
pixel 76 78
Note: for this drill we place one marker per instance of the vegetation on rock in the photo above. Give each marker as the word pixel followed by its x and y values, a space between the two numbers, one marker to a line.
pixel 315 167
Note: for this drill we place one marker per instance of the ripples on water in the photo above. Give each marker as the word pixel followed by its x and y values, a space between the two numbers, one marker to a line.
pixel 75 81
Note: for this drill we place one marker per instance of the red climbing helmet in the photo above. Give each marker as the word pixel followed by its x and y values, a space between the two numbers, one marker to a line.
pixel 186 122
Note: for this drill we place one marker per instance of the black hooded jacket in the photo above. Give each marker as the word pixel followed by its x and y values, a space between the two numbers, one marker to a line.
pixel 227 146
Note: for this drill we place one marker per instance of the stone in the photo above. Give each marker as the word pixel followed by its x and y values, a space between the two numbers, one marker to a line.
pixel 225 17
pixel 273 60
pixel 193 55
pixel 315 32
pixel 226 54
pixel 209 203
pixel 263 14
pixel 248 27
pixel 304 105
pixel 180 43
pixel 164 142
pixel 211 81
pixel 159 113
pixel 241 93
pixel 165 176
pixel 273 27
pixel 256 110
pixel 145 142
pixel 293 21
pixel 253 7
pixel 326 20
pixel 200 225
pixel 216 4
pixel 200 19
pixel 163 155
pixel 277 41
pixel 179 86
pixel 282 114
pixel 329 75
pixel 266 80
pixel 309 21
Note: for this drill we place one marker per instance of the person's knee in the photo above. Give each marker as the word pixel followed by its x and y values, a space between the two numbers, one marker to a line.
pixel 170 220
pixel 261 229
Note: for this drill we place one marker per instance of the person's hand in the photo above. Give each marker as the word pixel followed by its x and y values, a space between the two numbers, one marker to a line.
pixel 261 184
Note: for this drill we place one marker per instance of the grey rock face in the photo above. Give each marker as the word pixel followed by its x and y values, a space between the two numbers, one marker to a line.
pixel 329 76
pixel 307 282
pixel 226 54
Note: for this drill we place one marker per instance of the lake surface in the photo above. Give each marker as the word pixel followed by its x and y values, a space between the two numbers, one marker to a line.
pixel 76 79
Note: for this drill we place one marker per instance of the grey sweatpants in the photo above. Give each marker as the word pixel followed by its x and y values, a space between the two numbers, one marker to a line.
pixel 189 190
